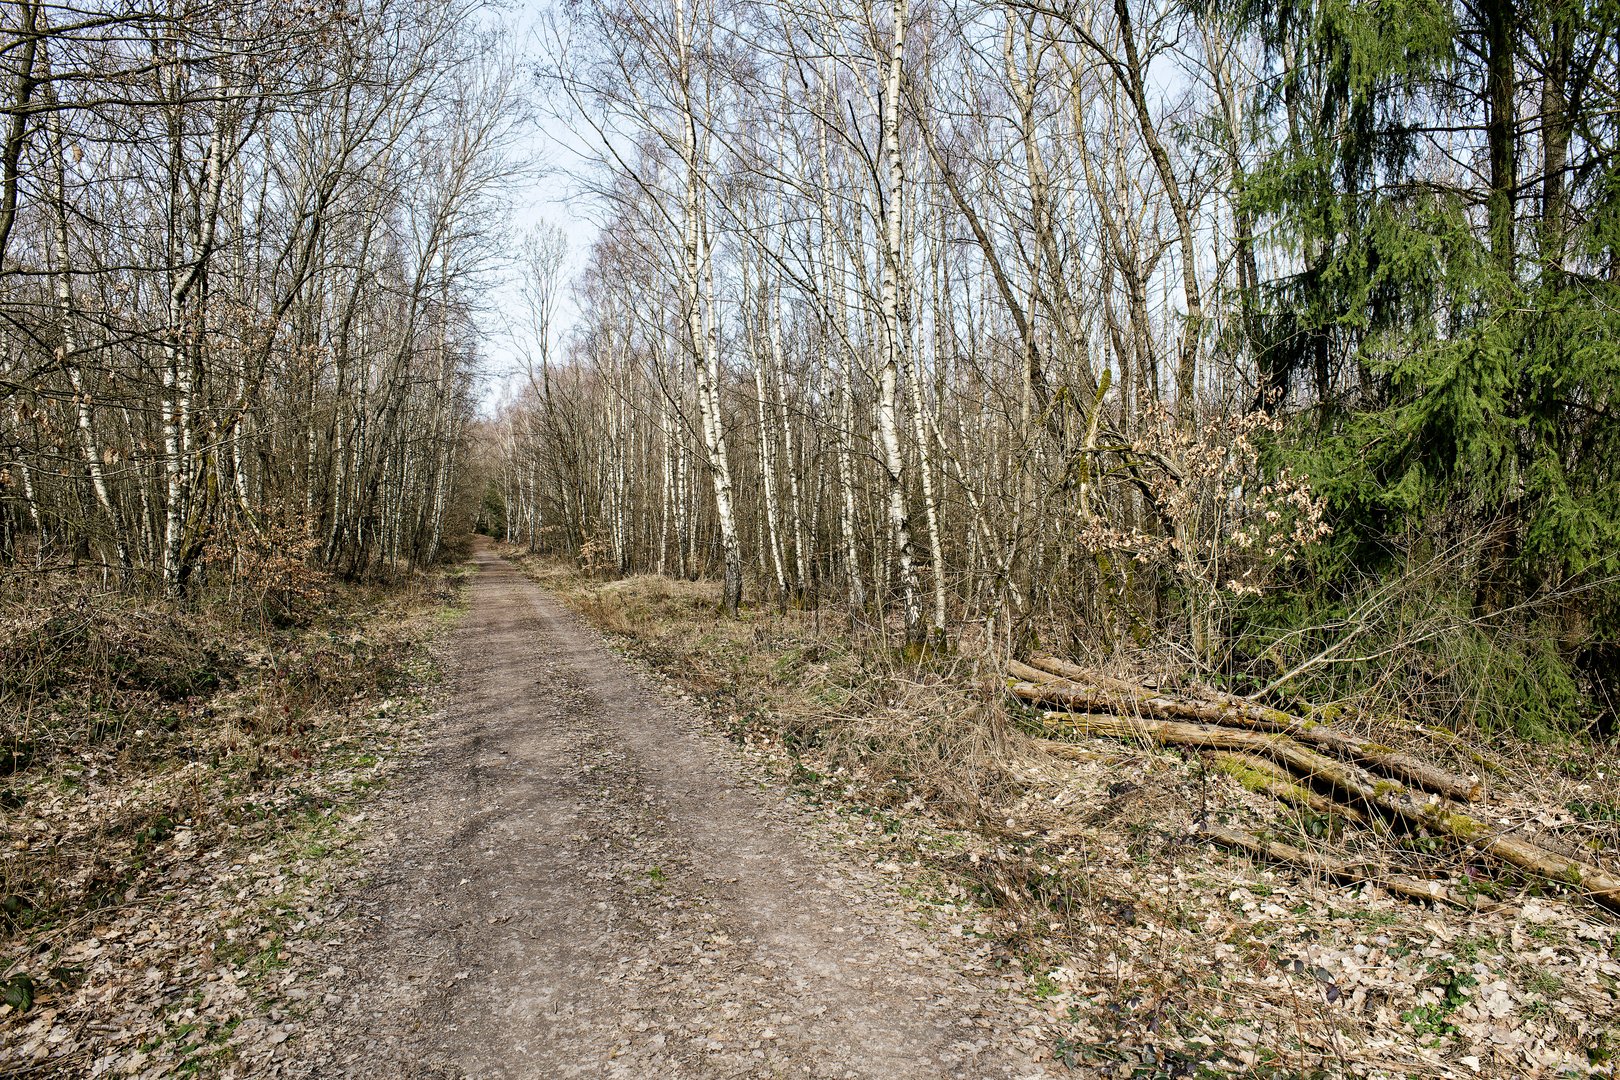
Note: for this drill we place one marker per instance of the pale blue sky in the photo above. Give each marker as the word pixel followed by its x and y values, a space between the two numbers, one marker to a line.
pixel 549 199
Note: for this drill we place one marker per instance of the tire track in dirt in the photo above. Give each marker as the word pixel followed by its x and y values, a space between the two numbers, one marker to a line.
pixel 581 880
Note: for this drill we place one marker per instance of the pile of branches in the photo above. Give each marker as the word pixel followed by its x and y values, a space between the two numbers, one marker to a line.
pixel 1301 761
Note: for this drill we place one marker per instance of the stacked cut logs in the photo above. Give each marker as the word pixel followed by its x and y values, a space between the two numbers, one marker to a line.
pixel 1297 760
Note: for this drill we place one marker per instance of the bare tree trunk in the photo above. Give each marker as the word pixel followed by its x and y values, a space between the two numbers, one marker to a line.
pixel 71 361
pixel 784 422
pixel 767 464
pixel 179 373
pixel 890 207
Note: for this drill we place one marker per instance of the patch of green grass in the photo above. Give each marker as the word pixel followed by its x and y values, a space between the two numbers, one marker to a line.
pixel 198 1046
pixel 270 957
pixel 1469 948
pixel 317 843
pixel 1544 983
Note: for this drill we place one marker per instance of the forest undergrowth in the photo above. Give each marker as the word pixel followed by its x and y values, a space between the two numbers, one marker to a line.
pixel 1155 954
pixel 176 785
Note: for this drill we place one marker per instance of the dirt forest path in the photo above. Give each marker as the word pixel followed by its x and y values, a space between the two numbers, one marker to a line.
pixel 581 880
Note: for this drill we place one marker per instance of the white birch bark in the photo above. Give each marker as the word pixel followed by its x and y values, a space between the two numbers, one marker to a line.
pixel 89 443
pixel 702 328
pixel 784 421
pixel 178 375
pixel 890 208
pixel 767 472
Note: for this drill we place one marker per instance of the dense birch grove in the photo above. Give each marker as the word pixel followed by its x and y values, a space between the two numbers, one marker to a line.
pixel 237 246
pixel 1254 330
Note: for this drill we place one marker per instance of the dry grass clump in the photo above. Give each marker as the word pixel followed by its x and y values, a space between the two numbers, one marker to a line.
pixel 82 666
pixel 76 663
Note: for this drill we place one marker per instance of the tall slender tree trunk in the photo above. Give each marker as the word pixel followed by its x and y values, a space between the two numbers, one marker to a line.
pixel 1555 139
pixel 702 328
pixel 767 469
pixel 180 360
pixel 1500 30
pixel 89 442
pixel 784 422
pixel 890 197
pixel 1193 328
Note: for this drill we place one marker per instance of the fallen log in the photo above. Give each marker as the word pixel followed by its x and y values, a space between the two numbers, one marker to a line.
pixel 1041 687
pixel 1338 869
pixel 1258 774
pixel 1039 666
pixel 1345 779
pixel 1386 795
